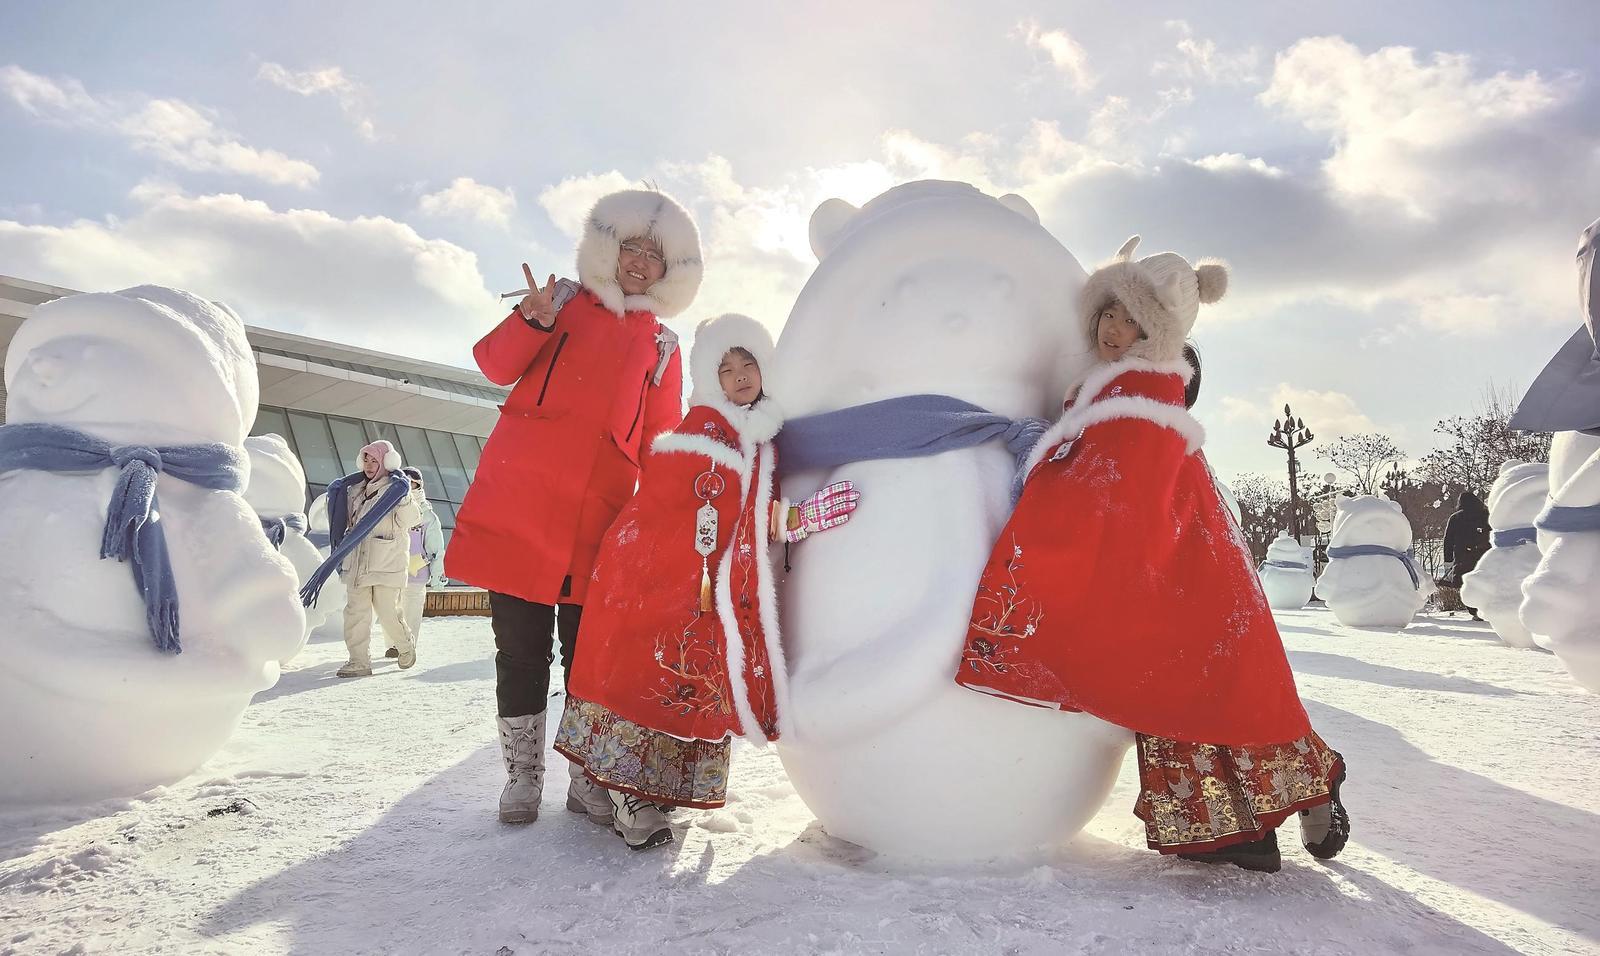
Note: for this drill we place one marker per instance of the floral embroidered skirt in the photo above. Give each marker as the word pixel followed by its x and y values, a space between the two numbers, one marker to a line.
pixel 1199 797
pixel 621 755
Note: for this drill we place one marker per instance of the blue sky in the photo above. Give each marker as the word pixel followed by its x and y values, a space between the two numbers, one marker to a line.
pixel 1398 187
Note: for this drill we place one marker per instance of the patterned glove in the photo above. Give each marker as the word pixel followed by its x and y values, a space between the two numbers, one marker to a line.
pixel 826 509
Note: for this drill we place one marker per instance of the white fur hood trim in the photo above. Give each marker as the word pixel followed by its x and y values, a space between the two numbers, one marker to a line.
pixel 756 426
pixel 713 339
pixel 1090 409
pixel 641 212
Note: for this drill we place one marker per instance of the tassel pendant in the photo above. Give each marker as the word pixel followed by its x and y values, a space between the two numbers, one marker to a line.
pixel 705 587
pixel 706 487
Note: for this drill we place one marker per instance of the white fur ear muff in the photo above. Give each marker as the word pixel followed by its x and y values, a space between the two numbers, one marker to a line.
pixel 1020 206
pixel 1213 278
pixel 827 222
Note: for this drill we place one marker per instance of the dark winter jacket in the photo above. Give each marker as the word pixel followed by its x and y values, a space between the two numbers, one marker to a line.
pixel 1466 535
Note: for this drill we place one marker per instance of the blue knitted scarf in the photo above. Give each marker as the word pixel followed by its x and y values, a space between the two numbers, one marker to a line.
pixel 1566 519
pixel 1511 537
pixel 912 426
pixel 1285 565
pixel 1364 550
pixel 339 517
pixel 133 531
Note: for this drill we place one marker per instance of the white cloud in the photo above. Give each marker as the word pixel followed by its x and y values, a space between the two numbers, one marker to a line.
pixel 328 80
pixel 1066 55
pixel 568 202
pixel 1236 163
pixel 369 281
pixel 173 131
pixel 1423 135
pixel 1200 59
pixel 1329 414
pixel 469 199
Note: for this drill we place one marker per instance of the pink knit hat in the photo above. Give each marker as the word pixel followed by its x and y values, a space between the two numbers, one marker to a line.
pixel 382 450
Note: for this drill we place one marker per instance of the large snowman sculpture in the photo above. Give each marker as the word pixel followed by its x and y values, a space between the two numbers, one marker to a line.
pixel 1494 587
pixel 1561 601
pixel 277 493
pixel 933 288
pixel 1371 579
pixel 1286 576
pixel 94 701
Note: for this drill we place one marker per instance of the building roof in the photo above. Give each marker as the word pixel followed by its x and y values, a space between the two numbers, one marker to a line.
pixel 322 376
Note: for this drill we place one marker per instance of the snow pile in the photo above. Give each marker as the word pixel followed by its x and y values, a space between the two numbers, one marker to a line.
pixel 1372 590
pixel 90 707
pixel 1561 603
pixel 943 290
pixel 277 490
pixel 1494 587
pixel 1286 576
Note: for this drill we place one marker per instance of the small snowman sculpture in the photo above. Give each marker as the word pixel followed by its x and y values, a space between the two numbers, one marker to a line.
pixel 1494 587
pixel 1286 576
pixel 144 606
pixel 277 493
pixel 1371 579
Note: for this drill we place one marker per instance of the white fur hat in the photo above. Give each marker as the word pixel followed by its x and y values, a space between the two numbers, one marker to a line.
pixel 384 451
pixel 640 212
pixel 1162 292
pixel 713 338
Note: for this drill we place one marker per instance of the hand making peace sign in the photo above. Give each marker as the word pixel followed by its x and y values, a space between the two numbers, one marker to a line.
pixel 538 306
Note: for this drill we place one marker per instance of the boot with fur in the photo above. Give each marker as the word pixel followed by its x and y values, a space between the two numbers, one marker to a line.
pixel 522 746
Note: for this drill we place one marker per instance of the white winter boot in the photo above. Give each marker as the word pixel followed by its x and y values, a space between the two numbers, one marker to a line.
pixel 587 797
pixel 522 746
pixel 640 823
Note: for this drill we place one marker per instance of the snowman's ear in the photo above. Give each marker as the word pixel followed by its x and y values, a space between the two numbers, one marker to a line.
pixel 828 223
pixel 1020 206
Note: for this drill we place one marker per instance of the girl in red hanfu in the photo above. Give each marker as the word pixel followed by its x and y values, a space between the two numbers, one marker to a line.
pixel 1121 587
pixel 680 639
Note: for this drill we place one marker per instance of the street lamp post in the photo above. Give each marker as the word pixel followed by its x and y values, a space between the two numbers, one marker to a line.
pixel 1290 434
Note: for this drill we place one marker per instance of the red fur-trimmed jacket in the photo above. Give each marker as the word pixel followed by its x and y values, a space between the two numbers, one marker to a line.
pixel 648 653
pixel 564 457
pixel 1122 587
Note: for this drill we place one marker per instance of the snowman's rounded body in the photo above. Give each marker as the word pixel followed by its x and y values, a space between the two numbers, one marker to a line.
pixel 938 289
pixel 1286 576
pixel 1371 590
pixel 277 489
pixel 91 708
pixel 1561 600
pixel 1494 587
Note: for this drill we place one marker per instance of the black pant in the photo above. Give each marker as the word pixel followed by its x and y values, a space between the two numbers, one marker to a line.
pixel 524 649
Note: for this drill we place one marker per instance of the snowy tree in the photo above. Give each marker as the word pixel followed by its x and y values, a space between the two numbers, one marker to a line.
pixel 1364 457
pixel 1480 442
pixel 1264 510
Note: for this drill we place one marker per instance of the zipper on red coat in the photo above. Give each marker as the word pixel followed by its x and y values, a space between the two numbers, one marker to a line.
pixel 638 413
pixel 561 343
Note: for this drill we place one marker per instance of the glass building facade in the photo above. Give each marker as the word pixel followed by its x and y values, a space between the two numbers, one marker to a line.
pixel 329 445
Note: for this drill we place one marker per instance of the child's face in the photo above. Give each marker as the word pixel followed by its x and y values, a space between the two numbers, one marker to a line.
pixel 1115 331
pixel 740 377
pixel 370 466
pixel 640 265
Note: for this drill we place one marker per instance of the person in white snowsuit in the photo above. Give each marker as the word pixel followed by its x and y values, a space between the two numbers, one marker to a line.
pixel 375 572
pixel 425 563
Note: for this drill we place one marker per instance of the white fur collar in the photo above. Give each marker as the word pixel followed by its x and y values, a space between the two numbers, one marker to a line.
pixel 1086 410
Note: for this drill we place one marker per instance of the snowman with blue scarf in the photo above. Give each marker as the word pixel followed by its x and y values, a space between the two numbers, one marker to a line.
pixel 277 493
pixel 144 605
pixel 1371 579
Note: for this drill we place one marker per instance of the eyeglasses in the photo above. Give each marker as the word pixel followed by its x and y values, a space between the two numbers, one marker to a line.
pixel 634 249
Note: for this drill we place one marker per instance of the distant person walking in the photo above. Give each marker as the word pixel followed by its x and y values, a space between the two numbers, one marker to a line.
pixel 1466 540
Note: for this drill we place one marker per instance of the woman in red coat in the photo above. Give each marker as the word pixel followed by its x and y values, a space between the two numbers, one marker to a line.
pixel 1121 587
pixel 681 647
pixel 593 372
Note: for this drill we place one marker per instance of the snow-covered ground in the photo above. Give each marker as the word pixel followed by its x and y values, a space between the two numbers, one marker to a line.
pixel 358 817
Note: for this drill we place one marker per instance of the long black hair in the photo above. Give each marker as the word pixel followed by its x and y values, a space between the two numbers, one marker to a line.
pixel 1191 391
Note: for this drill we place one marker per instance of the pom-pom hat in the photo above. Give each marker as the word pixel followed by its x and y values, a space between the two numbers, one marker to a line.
pixel 1161 292
pixel 382 450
